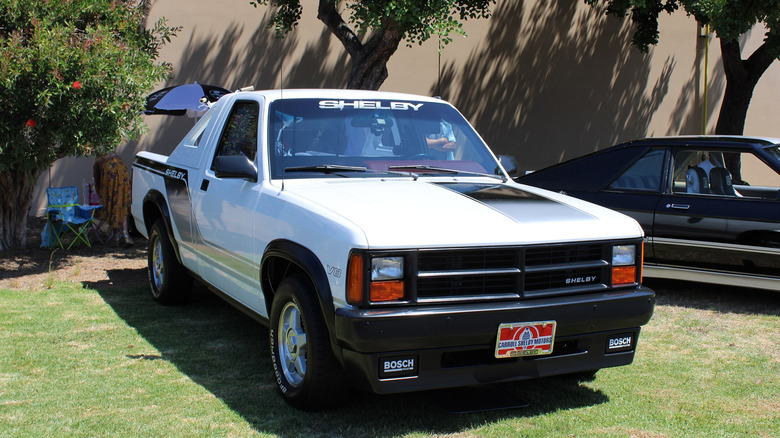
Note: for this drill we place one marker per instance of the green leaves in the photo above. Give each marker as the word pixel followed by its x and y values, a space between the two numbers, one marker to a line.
pixel 79 70
pixel 288 13
pixel 728 18
pixel 416 20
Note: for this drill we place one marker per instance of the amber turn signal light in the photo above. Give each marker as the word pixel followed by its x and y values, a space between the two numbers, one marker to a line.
pixel 355 279
pixel 622 275
pixel 386 291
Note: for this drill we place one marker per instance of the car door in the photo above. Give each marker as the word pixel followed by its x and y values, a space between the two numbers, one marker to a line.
pixel 224 207
pixel 688 231
pixel 753 226
pixel 704 228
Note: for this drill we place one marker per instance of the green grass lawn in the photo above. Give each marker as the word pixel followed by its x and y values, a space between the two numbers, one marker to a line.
pixel 111 362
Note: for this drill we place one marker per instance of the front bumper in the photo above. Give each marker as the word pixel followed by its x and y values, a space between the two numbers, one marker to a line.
pixel 452 346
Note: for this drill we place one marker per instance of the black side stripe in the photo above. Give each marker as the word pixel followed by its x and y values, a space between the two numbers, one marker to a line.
pixel 176 183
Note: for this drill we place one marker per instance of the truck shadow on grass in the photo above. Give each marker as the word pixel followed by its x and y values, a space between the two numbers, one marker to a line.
pixel 226 352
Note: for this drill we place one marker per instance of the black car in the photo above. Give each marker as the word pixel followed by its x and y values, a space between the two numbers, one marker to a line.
pixel 702 223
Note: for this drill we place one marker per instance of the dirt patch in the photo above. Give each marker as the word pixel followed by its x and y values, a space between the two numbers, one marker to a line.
pixel 38 268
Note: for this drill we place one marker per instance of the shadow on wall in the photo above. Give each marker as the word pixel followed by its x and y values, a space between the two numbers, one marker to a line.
pixel 228 62
pixel 223 60
pixel 546 83
pixel 553 82
pixel 682 120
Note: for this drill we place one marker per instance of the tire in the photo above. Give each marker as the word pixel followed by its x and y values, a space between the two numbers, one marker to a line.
pixel 306 371
pixel 168 279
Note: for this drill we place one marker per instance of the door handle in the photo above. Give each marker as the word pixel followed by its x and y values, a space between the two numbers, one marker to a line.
pixel 204 185
pixel 678 206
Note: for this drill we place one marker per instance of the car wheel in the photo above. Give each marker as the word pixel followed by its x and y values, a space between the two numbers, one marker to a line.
pixel 168 279
pixel 306 371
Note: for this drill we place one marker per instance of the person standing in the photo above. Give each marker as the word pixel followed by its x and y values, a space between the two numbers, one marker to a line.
pixel 112 181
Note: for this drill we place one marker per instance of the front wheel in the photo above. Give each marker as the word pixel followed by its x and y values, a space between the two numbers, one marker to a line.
pixel 307 373
pixel 168 279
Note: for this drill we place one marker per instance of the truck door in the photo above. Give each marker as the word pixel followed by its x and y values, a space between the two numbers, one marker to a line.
pixel 224 207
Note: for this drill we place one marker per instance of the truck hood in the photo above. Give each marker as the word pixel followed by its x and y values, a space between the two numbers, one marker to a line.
pixel 406 213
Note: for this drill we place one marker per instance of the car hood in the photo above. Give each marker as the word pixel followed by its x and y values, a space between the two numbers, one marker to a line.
pixel 406 213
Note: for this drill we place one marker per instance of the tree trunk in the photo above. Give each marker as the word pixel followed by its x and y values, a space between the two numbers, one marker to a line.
pixel 369 61
pixel 16 191
pixel 741 79
pixel 369 69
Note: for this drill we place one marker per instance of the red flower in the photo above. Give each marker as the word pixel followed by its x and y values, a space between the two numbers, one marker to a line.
pixel 77 85
pixel 30 123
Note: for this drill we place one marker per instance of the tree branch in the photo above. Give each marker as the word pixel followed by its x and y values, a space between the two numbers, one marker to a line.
pixel 760 60
pixel 371 72
pixel 327 13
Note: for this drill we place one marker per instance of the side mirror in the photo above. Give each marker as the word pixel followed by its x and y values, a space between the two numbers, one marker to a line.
pixel 235 166
pixel 509 163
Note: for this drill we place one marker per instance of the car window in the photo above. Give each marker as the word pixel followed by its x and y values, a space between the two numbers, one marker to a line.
pixel 240 134
pixel 704 172
pixel 373 135
pixel 758 179
pixel 644 174
pixel 701 172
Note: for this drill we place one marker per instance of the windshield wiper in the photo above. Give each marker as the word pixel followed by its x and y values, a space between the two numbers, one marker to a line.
pixel 434 169
pixel 326 168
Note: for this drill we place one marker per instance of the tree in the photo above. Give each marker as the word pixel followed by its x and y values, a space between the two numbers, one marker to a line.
pixel 386 22
pixel 73 77
pixel 729 19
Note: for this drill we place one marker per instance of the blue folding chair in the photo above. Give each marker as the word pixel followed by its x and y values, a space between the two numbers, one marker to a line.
pixel 65 217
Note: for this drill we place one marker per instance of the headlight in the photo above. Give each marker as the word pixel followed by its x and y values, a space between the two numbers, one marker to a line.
pixel 623 255
pixel 387 268
pixel 386 281
pixel 624 265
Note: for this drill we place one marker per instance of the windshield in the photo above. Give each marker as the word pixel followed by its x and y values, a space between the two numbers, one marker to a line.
pixel 316 138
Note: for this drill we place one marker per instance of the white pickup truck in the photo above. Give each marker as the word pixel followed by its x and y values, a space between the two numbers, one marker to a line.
pixel 386 247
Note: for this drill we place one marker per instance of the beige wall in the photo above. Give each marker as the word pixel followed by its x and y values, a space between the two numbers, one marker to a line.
pixel 541 80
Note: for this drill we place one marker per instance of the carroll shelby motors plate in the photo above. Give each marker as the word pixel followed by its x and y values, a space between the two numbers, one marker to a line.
pixel 525 339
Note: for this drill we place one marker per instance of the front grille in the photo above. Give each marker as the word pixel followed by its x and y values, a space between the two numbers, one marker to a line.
pixel 453 260
pixel 554 254
pixel 511 273
pixel 465 286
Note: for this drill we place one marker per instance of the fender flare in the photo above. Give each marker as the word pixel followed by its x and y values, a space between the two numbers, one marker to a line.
pixel 307 263
pixel 155 199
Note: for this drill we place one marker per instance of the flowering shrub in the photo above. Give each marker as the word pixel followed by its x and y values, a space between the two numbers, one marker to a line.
pixel 73 78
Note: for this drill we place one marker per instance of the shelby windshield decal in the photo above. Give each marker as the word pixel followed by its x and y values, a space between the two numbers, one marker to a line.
pixel 368 104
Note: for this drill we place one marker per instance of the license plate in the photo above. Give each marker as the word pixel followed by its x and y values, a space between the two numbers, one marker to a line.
pixel 525 339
